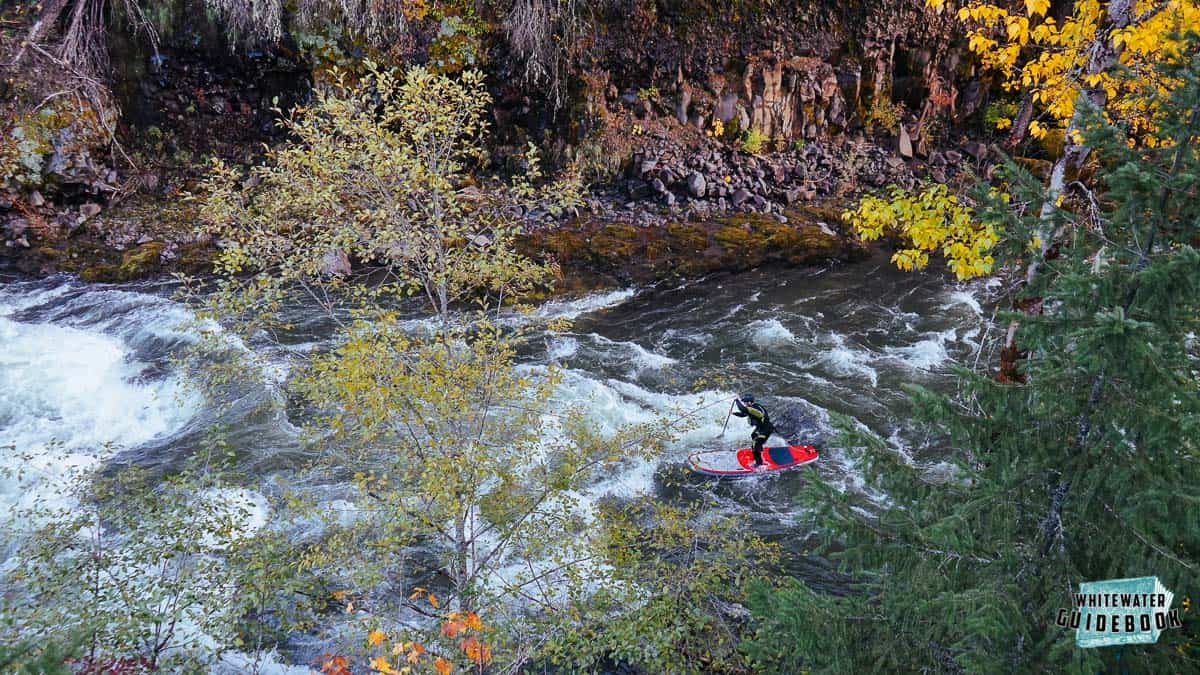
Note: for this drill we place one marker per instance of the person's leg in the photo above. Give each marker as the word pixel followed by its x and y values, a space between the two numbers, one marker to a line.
pixel 759 439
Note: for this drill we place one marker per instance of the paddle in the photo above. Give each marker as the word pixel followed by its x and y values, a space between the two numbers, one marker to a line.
pixel 726 425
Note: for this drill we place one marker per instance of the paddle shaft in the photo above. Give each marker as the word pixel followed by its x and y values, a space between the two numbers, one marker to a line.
pixel 726 425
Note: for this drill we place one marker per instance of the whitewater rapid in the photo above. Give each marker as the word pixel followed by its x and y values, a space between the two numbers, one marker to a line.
pixel 90 373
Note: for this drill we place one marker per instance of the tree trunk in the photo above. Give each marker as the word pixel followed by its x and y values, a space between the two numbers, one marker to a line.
pixel 1102 55
pixel 1020 125
pixel 40 28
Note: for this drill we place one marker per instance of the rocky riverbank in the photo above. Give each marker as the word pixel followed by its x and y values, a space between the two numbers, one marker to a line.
pixel 683 205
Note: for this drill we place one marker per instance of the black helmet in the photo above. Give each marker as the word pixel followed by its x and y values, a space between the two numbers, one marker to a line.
pixel 748 398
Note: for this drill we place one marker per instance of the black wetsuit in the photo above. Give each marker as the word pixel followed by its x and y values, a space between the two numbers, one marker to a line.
pixel 758 417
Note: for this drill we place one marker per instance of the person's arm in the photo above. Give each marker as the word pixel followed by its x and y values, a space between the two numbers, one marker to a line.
pixel 753 411
pixel 741 408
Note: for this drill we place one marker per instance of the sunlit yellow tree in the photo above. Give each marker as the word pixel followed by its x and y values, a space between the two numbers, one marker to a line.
pixel 1060 66
pixel 1064 65
pixel 928 221
pixel 1054 61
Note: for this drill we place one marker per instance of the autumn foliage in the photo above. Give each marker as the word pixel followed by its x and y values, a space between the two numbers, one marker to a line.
pixel 461 647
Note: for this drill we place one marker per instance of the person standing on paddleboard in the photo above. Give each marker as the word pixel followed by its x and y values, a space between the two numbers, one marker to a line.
pixel 760 419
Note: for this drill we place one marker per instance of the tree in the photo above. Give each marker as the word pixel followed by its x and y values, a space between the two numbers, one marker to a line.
pixel 1062 67
pixel 1081 473
pixel 135 568
pixel 929 221
pixel 372 213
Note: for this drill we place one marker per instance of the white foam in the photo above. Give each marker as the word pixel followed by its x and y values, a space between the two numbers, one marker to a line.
pixel 963 297
pixel 70 397
pixel 769 333
pixel 926 354
pixel 848 361
pixel 562 347
pixel 637 355
pixel 570 309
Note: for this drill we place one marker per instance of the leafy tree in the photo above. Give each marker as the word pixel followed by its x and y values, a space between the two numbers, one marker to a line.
pixel 1064 67
pixel 931 220
pixel 24 658
pixel 1087 470
pixel 463 463
pixel 136 570
pixel 672 602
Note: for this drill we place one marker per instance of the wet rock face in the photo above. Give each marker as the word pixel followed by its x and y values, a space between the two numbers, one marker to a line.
pixel 793 98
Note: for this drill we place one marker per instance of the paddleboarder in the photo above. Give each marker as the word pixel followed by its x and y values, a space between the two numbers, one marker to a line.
pixel 760 419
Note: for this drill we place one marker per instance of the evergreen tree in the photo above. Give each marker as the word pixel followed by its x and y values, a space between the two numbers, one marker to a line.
pixel 1086 469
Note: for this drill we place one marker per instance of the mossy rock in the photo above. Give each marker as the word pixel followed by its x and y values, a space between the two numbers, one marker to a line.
pixel 831 215
pixel 1054 142
pixel 1038 167
pixel 658 249
pixel 195 258
pixel 100 272
pixel 689 239
pixel 141 261
pixel 135 264
pixel 564 244
pixel 615 242
pixel 733 238
pixel 781 237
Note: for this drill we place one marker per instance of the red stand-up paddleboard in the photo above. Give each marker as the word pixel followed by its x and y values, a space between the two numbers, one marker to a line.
pixel 741 462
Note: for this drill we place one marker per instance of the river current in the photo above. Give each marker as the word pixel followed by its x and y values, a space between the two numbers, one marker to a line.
pixel 89 375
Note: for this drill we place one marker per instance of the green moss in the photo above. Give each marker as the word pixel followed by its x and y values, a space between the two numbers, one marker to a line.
pixel 141 261
pixel 195 258
pixel 135 264
pixel 687 238
pixel 1053 142
pixel 1038 167
pixel 100 272
pixel 615 241
pixel 564 244
pixel 733 238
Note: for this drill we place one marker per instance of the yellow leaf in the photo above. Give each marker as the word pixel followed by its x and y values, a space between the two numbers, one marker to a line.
pixel 443 666
pixel 375 637
pixel 381 665
pixel 433 600
pixel 1036 7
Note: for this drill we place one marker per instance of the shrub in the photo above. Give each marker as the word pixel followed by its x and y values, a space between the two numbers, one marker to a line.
pixel 753 141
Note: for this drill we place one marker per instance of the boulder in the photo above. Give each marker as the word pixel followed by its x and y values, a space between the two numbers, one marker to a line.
pixel 740 195
pixel 335 263
pixel 88 210
pixel 681 108
pixel 639 189
pixel 696 184
pixel 905 144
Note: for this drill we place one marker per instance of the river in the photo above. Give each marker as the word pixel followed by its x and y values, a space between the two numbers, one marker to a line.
pixel 89 375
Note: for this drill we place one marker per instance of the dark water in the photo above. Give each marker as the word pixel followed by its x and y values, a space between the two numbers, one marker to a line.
pixel 90 365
